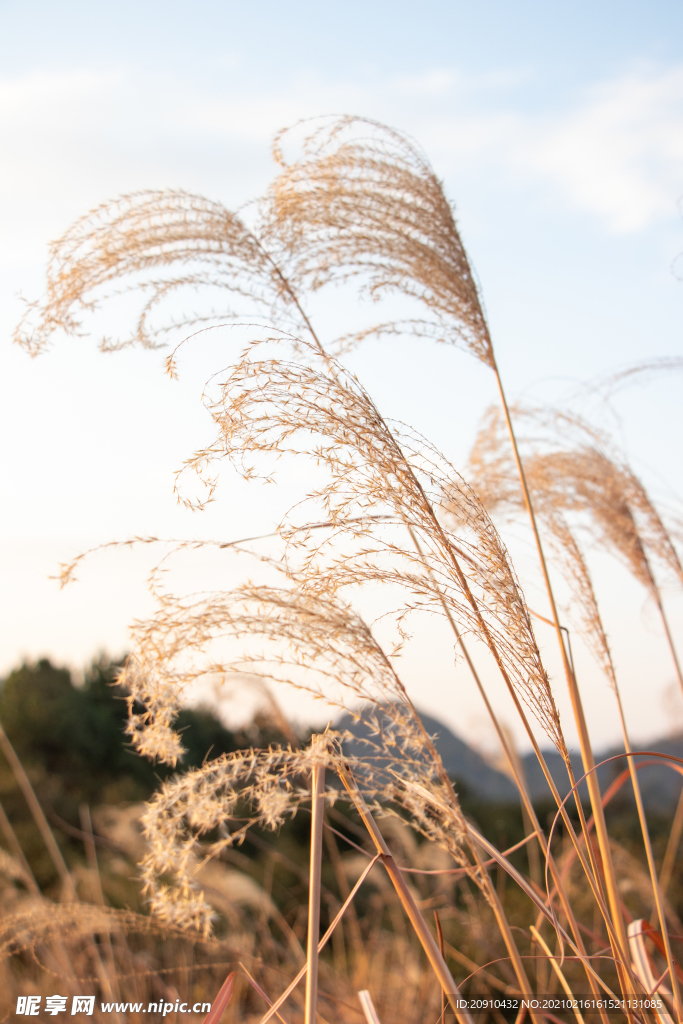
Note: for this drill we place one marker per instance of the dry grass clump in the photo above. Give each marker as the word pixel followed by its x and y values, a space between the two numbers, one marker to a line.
pixel 387 514
pixel 125 958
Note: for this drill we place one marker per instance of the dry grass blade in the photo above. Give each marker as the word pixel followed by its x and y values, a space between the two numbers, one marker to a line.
pixel 368 1006
pixel 558 970
pixel 643 968
pixel 430 947
pixel 222 999
pixel 323 942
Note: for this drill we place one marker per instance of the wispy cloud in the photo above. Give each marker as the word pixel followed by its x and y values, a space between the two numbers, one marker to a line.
pixel 615 151
pixel 619 153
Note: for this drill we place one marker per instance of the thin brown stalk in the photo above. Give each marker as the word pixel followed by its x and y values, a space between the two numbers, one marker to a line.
pixel 15 847
pixel 656 887
pixel 423 933
pixel 321 945
pixel 540 905
pixel 91 856
pixel 343 885
pixel 90 851
pixel 672 847
pixel 580 579
pixel 317 809
pixel 513 764
pixel 592 875
pixel 580 719
pixel 558 971
pixel 442 950
pixel 38 814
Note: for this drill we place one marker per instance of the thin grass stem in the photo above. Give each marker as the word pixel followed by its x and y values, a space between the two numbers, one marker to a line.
pixel 38 814
pixel 580 719
pixel 317 808
pixel 672 847
pixel 15 846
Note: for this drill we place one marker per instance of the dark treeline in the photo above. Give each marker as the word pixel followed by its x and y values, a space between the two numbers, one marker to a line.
pixel 77 732
pixel 71 740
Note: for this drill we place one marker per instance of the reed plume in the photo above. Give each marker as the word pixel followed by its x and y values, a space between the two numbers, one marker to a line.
pixel 364 203
pixel 412 241
pixel 155 244
pixel 380 476
pixel 573 470
pixel 313 643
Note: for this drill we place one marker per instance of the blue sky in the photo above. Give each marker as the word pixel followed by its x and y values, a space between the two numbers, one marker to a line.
pixel 558 131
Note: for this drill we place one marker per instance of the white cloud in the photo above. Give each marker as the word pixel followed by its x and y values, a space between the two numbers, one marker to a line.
pixel 616 152
pixel 71 139
pixel 21 96
pixel 620 154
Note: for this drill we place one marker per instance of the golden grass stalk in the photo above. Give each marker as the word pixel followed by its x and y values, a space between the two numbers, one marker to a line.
pixel 317 810
pixel 514 767
pixel 579 573
pixel 416 919
pixel 368 1007
pixel 620 947
pixel 557 969
pixel 442 950
pixel 364 202
pixel 348 902
pixel 586 479
pixel 38 814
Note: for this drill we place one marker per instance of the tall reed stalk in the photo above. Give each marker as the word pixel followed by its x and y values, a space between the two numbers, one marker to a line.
pixel 317 812
pixel 621 945
pixel 363 200
pixel 439 966
pixel 24 783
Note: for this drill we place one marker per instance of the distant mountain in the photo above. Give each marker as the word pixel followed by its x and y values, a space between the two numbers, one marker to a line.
pixel 660 785
pixel 460 761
